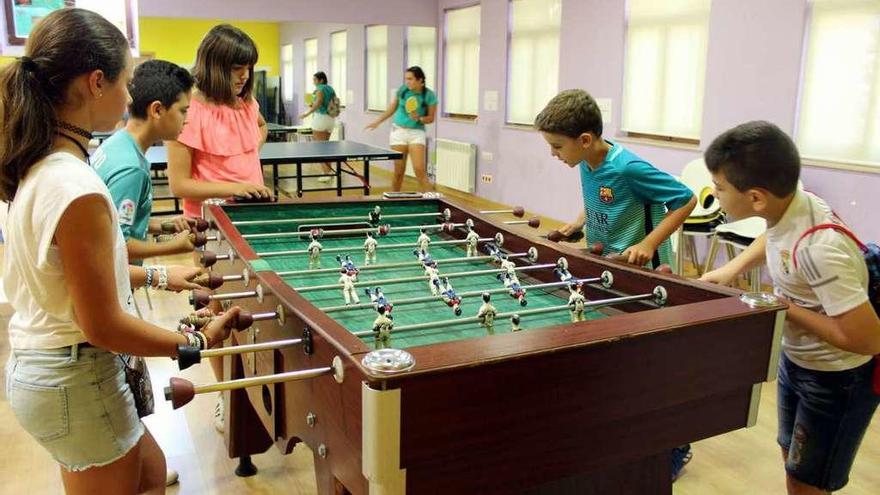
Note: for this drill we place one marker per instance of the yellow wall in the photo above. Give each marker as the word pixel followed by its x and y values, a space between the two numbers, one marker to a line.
pixel 177 40
pixel 5 60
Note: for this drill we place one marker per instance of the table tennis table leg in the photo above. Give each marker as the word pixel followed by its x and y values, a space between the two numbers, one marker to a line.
pixel 338 177
pixel 275 181
pixel 299 179
pixel 366 177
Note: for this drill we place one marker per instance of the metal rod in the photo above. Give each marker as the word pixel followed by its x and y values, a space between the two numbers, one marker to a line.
pixel 402 245
pixel 364 217
pixel 233 295
pixel 268 315
pixel 536 311
pixel 400 264
pixel 417 278
pixel 262 380
pixel 349 231
pixel 241 349
pixel 415 300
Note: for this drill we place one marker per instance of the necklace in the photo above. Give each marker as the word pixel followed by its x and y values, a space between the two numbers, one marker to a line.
pixel 74 129
pixel 77 143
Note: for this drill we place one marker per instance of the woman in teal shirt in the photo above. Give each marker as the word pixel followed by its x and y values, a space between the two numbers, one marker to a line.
pixel 414 106
pixel 322 122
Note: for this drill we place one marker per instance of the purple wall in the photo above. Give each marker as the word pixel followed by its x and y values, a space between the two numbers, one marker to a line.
pixel 753 72
pixel 416 12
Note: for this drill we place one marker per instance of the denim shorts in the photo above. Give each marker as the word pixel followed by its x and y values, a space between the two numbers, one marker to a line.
pixel 823 416
pixel 75 402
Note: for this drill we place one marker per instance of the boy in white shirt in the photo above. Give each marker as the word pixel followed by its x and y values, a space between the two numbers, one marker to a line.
pixel 825 398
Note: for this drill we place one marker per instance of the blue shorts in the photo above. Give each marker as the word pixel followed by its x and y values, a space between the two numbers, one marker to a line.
pixel 823 416
pixel 75 402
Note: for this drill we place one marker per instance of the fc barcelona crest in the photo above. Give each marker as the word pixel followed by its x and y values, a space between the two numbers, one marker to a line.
pixel 606 194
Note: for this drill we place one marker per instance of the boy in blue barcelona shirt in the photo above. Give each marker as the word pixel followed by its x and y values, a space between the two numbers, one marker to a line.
pixel 629 206
pixel 160 94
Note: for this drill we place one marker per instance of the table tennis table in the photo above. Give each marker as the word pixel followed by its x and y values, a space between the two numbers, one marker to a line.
pixel 300 153
pixel 278 131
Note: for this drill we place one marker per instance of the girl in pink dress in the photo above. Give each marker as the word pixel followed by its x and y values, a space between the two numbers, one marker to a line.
pixel 217 154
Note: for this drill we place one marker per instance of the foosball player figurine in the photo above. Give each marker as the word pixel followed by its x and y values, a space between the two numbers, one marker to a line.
pixel 424 241
pixel 348 289
pixel 472 239
pixel 493 251
pixel 449 296
pixel 370 244
pixel 382 326
pixel 376 215
pixel 576 303
pixel 487 313
pixel 314 250
pixel 348 266
pixel 561 271
pixel 514 289
pixel 514 323
pixel 378 299
pixel 433 279
pixel 507 265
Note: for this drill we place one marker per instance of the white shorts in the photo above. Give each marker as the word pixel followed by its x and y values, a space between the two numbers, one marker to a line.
pixel 322 122
pixel 404 136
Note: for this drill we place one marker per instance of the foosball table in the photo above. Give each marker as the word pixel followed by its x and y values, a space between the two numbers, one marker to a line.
pixel 417 346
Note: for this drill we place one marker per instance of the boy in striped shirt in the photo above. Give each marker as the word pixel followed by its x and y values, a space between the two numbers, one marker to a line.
pixel 629 206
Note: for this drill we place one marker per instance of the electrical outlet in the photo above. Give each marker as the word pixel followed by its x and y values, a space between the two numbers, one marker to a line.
pixel 486 178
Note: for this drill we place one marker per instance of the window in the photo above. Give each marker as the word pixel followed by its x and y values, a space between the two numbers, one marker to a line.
pixel 421 48
pixel 377 67
pixel 533 70
pixel 21 16
pixel 311 63
pixel 339 64
pixel 287 72
pixel 461 62
pixel 665 67
pixel 840 101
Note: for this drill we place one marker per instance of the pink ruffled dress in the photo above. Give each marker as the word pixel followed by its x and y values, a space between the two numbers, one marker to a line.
pixel 225 145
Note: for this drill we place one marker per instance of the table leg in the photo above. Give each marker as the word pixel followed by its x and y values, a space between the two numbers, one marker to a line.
pixel 275 181
pixel 339 178
pixel 366 177
pixel 299 179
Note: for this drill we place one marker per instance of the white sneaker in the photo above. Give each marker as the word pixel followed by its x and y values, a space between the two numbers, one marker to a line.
pixel 170 477
pixel 219 415
pixel 325 179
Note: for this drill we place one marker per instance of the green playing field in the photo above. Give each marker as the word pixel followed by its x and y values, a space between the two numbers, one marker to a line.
pixel 361 319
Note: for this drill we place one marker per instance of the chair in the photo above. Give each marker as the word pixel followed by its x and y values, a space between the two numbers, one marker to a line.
pixel 705 217
pixel 737 235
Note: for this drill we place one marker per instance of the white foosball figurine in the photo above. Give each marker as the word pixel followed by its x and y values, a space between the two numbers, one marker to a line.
pixel 433 274
pixel 447 292
pixel 370 244
pixel 423 241
pixel 314 250
pixel 514 323
pixel 486 314
pixel 472 239
pixel 508 266
pixel 376 215
pixel 382 326
pixel 576 303
pixel 348 289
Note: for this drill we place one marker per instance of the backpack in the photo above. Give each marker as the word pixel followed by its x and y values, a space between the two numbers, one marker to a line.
pixel 334 106
pixel 871 252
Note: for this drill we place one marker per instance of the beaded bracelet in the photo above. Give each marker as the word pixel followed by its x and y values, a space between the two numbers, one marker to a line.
pixel 204 339
pixel 149 280
pixel 162 271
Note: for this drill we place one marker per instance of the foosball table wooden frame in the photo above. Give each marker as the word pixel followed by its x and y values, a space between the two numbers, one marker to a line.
pixel 588 407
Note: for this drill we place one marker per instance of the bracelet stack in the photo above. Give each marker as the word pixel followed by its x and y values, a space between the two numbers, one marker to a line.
pixel 194 338
pixel 160 273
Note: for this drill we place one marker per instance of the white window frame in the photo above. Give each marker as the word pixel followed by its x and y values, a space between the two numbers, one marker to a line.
pixel 339 65
pixel 287 71
pixel 417 52
pixel 310 63
pixel 461 89
pixel 533 83
pixel 653 107
pixel 376 63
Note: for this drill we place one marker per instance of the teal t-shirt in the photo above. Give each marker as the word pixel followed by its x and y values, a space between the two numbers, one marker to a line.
pixel 423 100
pixel 625 198
pixel 124 168
pixel 328 93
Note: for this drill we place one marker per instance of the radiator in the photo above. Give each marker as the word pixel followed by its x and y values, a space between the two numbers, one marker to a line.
pixel 456 165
